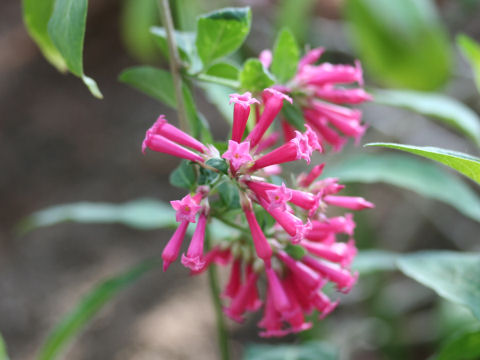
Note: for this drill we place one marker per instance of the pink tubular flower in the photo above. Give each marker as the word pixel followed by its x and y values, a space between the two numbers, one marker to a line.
pixel 273 105
pixel 215 256
pixel 187 208
pixel 171 251
pixel 305 180
pixel 241 300
pixel 162 127
pixel 279 196
pixel 265 58
pixel 235 280
pixel 297 148
pixel 272 320
pixel 342 96
pixel 342 253
pixel 238 154
pixel 294 316
pixel 262 247
pixel 301 272
pixel 327 74
pixel 267 142
pixel 342 277
pixel 348 202
pixel 310 57
pixel 275 288
pixel 323 304
pixel 194 257
pixel 161 144
pixel 241 111
pixel 289 222
pixel 288 131
pixel 254 303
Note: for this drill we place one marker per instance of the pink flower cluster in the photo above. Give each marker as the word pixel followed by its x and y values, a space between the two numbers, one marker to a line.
pixel 300 252
pixel 322 92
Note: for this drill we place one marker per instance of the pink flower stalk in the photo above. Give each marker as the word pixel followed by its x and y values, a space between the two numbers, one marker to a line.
pixel 272 320
pixel 162 127
pixel 275 289
pixel 265 58
pixel 305 180
pixel 273 105
pixel 342 277
pixel 295 149
pixel 262 247
pixel 341 253
pixel 161 144
pixel 187 208
pixel 171 251
pixel 241 111
pixel 348 202
pixel 235 280
pixel 238 154
pixel 302 272
pixel 194 257
pixel 240 302
pixel 267 142
pixel 310 57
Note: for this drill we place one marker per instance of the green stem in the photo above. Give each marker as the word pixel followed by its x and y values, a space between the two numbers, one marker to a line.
pixel 215 291
pixel 217 80
pixel 175 63
pixel 231 223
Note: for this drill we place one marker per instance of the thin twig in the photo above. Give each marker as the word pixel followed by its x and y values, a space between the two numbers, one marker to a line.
pixel 215 291
pixel 175 63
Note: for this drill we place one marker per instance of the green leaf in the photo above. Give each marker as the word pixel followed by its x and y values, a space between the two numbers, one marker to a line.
pixel 471 50
pixel 158 84
pixel 314 350
pixel 426 179
pixel 153 82
pixel 408 48
pixel 452 275
pixel 207 177
pixel 224 70
pixel 371 261
pixel 183 176
pixel 218 95
pixel 221 32
pixel 143 214
pixel 185 41
pixel 3 349
pixel 297 16
pixel 137 17
pixel 254 77
pixel 463 163
pixel 464 346
pixel 73 323
pixel 293 115
pixel 36 15
pixel 219 164
pixel 66 28
pixel 285 56
pixel 295 251
pixel 446 109
pixel 229 195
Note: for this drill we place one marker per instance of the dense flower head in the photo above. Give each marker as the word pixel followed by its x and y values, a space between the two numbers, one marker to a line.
pixel 281 230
